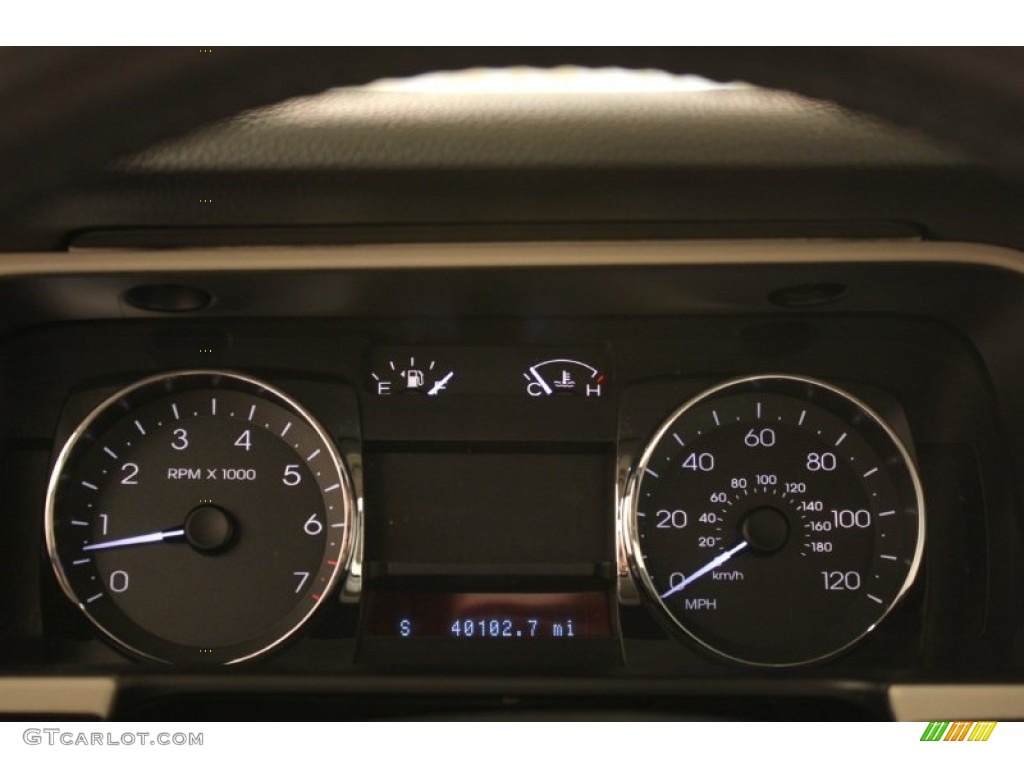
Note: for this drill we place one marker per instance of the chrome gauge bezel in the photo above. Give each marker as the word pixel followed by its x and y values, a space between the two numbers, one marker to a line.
pixel 629 506
pixel 171 382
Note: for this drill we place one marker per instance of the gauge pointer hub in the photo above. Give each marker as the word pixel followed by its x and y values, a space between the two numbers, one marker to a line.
pixel 765 529
pixel 209 529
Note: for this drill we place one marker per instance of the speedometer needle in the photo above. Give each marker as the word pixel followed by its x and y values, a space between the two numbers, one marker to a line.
pixel 146 538
pixel 722 558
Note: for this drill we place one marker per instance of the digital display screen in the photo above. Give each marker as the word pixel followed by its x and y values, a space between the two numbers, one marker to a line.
pixel 499 616
pixel 490 507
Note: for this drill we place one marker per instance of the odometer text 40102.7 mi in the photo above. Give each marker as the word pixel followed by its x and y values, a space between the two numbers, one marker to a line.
pixel 199 517
pixel 775 519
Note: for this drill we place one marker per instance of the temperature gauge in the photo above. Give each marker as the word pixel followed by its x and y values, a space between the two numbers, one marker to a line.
pixel 399 377
pixel 563 376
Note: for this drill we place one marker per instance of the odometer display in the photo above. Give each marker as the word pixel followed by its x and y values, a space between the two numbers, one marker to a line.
pixel 479 616
pixel 198 517
pixel 775 519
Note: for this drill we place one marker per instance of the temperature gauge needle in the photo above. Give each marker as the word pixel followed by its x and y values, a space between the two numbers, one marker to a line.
pixel 540 380
pixel 146 538
pixel 720 560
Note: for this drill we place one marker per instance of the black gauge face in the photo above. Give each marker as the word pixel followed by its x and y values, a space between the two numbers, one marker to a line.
pixel 776 520
pixel 198 517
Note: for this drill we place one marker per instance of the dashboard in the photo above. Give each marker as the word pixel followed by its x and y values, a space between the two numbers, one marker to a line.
pixel 377 404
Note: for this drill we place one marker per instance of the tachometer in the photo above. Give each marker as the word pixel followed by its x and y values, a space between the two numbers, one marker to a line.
pixel 199 517
pixel 775 519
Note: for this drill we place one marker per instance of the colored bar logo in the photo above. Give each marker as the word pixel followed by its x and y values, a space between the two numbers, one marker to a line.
pixel 958 731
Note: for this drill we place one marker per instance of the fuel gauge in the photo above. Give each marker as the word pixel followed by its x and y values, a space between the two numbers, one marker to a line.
pixel 563 376
pixel 426 377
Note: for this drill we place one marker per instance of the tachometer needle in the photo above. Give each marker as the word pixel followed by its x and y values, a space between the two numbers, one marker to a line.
pixel 722 558
pixel 146 538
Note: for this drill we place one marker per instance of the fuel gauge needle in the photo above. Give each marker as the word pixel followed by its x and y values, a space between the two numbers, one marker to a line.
pixel 130 541
pixel 440 384
pixel 720 560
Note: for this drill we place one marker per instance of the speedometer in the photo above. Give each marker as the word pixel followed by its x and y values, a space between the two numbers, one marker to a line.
pixel 775 520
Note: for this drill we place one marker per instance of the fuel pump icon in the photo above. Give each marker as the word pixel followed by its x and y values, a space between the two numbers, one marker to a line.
pixel 413 379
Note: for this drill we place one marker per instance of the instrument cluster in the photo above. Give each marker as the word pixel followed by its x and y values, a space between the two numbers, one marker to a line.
pixel 710 492
pixel 207 516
